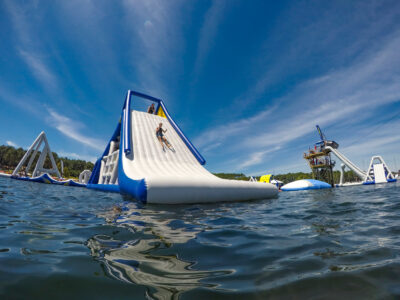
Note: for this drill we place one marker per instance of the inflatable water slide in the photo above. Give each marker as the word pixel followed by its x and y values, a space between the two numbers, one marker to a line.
pixel 135 163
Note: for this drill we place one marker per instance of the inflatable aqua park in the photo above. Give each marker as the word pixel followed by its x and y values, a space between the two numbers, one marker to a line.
pixel 163 167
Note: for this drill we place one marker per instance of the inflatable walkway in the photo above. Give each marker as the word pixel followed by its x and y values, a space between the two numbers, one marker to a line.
pixel 46 178
pixel 135 163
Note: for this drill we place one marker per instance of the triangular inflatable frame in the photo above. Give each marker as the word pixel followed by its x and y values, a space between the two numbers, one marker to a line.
pixel 39 168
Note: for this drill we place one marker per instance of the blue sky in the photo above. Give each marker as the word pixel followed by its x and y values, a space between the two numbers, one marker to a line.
pixel 247 81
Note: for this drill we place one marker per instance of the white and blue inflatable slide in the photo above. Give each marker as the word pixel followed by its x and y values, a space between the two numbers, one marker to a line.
pixel 135 164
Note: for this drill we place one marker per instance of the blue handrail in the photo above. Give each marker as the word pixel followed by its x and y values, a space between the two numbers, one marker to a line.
pixel 192 148
pixel 127 122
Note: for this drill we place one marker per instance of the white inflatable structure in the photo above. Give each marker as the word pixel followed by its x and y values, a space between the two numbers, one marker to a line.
pixel 84 176
pixel 155 174
pixel 39 168
pixel 40 173
pixel 305 184
pixel 378 171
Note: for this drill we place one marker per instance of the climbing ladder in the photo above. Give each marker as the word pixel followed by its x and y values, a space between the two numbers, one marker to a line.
pixel 109 166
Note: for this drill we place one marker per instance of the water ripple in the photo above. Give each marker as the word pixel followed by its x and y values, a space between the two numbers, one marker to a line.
pixel 312 244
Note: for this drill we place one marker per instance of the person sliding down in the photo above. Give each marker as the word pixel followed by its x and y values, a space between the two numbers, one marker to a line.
pixel 161 138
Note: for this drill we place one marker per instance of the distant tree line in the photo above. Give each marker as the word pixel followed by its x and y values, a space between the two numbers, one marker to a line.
pixel 235 176
pixel 349 176
pixel 10 157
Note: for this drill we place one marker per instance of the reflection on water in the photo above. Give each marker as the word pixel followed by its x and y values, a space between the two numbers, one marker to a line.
pixel 136 261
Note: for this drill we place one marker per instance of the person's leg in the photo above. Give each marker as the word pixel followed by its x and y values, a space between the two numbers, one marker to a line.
pixel 166 142
pixel 170 146
pixel 161 142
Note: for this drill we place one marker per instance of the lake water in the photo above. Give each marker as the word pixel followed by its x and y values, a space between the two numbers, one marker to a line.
pixel 71 243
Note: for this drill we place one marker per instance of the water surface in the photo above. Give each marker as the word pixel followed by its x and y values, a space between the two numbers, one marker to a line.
pixel 63 242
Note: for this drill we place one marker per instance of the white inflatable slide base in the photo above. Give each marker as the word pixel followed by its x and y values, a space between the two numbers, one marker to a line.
pixel 152 174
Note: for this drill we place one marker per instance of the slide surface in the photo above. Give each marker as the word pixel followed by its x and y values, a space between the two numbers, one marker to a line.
pixel 360 173
pixel 175 176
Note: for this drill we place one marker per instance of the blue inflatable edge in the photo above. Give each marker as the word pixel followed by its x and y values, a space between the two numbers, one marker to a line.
pixel 113 188
pixel 306 188
pixel 368 182
pixel 373 182
pixel 45 178
pixel 134 188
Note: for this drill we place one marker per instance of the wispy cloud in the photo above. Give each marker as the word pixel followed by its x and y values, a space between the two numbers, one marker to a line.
pixel 256 157
pixel 39 69
pixel 24 102
pixel 310 44
pixel 350 95
pixel 12 144
pixel 156 42
pixel 208 34
pixel 215 137
pixel 72 129
pixel 383 140
pixel 29 48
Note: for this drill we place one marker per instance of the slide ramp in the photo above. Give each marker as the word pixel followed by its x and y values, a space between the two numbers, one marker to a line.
pixel 154 175
pixel 360 173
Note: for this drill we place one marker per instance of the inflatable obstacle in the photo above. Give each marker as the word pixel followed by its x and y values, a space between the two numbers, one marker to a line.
pixel 135 163
pixel 305 184
pixel 41 174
